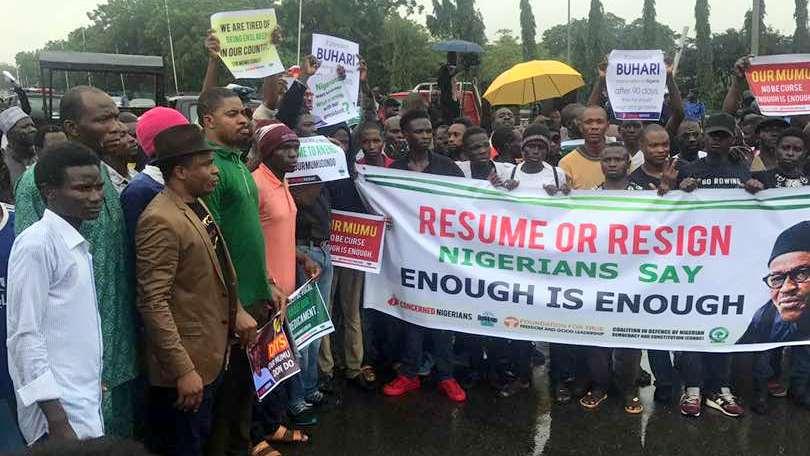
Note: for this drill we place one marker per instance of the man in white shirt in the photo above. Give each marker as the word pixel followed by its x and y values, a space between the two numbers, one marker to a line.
pixel 476 146
pixel 54 329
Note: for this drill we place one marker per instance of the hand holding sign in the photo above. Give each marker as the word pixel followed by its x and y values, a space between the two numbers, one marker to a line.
pixel 246 42
pixel 212 45
pixel 636 82
pixel 780 83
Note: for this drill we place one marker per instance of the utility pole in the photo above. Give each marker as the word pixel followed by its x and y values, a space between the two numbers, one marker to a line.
pixel 568 32
pixel 755 27
pixel 171 47
pixel 300 12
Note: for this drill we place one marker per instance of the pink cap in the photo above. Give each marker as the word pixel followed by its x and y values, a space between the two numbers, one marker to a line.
pixel 154 121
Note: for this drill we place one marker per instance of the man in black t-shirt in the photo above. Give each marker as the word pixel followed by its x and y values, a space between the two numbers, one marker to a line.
pixel 717 169
pixel 655 146
pixel 712 370
pixel 791 153
pixel 419 133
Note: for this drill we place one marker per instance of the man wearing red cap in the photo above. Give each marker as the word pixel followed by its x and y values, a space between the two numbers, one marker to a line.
pixel 143 188
pixel 278 151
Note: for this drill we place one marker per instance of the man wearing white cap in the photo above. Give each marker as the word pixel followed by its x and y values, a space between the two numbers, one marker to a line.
pixel 19 130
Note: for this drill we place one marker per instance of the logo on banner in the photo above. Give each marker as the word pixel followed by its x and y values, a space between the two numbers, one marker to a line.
pixel 718 335
pixel 393 301
pixel 487 319
pixel 511 322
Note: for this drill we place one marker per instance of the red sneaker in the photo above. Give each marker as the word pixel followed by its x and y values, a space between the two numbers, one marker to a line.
pixel 401 385
pixel 452 390
pixel 776 389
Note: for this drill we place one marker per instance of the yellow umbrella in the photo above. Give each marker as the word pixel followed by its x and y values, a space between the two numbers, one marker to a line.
pixel 533 81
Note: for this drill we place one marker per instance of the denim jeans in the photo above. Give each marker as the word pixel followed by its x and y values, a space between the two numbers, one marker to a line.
pixel 305 384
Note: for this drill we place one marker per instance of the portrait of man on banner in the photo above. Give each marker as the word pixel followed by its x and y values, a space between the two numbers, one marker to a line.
pixel 785 318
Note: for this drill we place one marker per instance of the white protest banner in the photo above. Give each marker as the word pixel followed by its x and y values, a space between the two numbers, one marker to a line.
pixel 636 83
pixel 246 47
pixel 318 161
pixel 335 100
pixel 781 84
pixel 613 269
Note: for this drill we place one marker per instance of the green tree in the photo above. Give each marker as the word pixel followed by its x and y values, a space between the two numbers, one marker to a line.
pixel 112 31
pixel 504 53
pixel 528 30
pixel 770 40
pixel 801 37
pixel 595 39
pixel 408 59
pixel 28 68
pixel 649 27
pixel 705 56
pixel 633 37
pixel 457 20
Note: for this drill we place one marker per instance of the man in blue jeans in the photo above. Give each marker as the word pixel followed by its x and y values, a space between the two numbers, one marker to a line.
pixel 313 226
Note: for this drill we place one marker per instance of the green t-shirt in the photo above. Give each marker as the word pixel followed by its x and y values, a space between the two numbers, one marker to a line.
pixel 234 204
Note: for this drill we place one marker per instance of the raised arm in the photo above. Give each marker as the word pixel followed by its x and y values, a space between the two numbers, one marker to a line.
pixel 293 100
pixel 735 88
pixel 212 47
pixel 598 86
pixel 675 103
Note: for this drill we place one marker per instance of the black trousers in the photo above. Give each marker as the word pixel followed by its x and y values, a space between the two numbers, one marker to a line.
pixel 174 432
pixel 710 370
pixel 625 368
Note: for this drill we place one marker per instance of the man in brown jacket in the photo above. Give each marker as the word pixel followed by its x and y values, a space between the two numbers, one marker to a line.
pixel 186 295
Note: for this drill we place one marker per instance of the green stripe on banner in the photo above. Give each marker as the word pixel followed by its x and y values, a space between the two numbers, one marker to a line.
pixel 616 199
pixel 561 204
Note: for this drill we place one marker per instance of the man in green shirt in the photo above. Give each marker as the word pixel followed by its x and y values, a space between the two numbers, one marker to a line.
pixel 234 204
pixel 88 115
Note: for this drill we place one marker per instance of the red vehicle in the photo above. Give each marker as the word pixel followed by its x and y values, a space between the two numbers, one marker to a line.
pixel 470 102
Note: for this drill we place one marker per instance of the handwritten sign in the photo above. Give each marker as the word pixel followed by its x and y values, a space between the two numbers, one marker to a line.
pixel 335 100
pixel 781 84
pixel 636 82
pixel 356 240
pixel 246 47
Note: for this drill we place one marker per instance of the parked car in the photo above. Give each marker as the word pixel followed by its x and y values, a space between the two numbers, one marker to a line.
pixel 470 102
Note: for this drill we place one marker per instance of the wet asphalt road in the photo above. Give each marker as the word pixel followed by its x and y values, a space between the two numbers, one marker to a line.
pixel 425 423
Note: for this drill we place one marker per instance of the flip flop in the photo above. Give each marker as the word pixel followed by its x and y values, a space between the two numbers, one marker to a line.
pixel 633 406
pixel 287 436
pixel 264 449
pixel 590 401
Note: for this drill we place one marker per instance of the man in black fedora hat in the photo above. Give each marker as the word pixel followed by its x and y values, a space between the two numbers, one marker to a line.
pixel 187 295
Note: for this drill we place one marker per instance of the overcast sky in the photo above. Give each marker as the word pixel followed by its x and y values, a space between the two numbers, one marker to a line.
pixel 26 26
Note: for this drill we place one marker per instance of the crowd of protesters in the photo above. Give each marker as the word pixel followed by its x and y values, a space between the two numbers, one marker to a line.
pixel 149 251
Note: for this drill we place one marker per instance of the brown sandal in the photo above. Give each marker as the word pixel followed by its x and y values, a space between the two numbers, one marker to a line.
pixel 633 406
pixel 593 399
pixel 368 373
pixel 287 436
pixel 264 449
